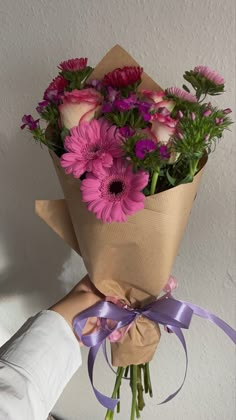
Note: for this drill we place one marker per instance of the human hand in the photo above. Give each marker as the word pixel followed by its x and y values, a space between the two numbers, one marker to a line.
pixel 81 297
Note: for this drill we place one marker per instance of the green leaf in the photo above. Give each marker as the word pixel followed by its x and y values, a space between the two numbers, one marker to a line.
pixel 186 88
pixel 171 179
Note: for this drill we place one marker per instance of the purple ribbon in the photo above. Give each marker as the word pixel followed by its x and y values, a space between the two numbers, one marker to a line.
pixel 172 313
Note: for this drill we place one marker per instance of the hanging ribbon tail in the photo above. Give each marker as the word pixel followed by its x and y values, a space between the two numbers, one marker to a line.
pixel 172 313
pixel 203 313
pixel 104 349
pixel 179 334
pixel 107 402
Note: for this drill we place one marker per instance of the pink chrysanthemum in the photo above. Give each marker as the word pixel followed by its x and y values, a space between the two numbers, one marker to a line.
pixel 56 88
pixel 122 77
pixel 116 194
pixel 209 74
pixel 74 64
pixel 91 147
pixel 181 94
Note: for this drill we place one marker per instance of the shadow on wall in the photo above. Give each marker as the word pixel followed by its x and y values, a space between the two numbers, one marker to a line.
pixel 31 254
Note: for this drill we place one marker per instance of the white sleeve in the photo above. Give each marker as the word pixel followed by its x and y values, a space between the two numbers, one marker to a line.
pixel 35 366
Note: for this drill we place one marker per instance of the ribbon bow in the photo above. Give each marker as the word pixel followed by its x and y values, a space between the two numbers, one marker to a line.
pixel 173 314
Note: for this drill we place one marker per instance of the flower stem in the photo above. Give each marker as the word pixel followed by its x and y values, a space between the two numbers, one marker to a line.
pixel 141 402
pixel 134 391
pixel 119 374
pixel 193 164
pixel 149 379
pixel 126 371
pixel 154 183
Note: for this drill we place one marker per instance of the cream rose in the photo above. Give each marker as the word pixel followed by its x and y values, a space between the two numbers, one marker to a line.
pixel 78 106
pixel 158 99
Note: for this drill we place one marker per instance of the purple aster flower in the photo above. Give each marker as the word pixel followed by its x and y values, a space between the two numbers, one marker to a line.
pixel 29 122
pixel 126 131
pixel 181 94
pixel 209 74
pixel 41 106
pixel 164 152
pixel 144 146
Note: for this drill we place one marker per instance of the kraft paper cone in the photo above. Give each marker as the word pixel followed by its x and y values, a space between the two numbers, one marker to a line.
pixel 131 260
pixel 55 213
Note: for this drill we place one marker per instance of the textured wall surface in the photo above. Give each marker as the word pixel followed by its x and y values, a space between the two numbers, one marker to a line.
pixel 36 268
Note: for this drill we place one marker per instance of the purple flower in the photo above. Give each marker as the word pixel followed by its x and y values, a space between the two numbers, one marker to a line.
pixel 29 122
pixel 142 147
pixel 180 114
pixel 164 152
pixel 124 104
pixel 55 89
pixel 181 94
pixel 96 84
pixel 193 116
pixel 112 94
pixel 227 111
pixel 144 108
pixel 209 74
pixel 207 112
pixel 219 121
pixel 126 131
pixel 107 107
pixel 52 96
pixel 41 106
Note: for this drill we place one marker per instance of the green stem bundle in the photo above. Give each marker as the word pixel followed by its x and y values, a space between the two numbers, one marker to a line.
pixel 140 381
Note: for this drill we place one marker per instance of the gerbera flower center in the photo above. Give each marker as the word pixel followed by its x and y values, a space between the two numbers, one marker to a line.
pixel 94 148
pixel 116 187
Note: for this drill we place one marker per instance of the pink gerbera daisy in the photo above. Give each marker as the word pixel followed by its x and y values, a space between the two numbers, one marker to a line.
pixel 209 74
pixel 116 193
pixel 181 94
pixel 74 64
pixel 91 147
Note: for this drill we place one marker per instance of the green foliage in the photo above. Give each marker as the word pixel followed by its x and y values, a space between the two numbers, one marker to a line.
pixel 132 118
pixel 51 114
pixel 76 79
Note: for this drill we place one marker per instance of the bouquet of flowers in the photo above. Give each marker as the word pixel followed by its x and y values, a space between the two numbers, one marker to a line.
pixel 129 156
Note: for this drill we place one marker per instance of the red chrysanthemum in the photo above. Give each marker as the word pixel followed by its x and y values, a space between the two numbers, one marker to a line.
pixel 74 64
pixel 122 77
pixel 56 88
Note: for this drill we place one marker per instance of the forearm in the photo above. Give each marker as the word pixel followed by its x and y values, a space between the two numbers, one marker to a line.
pixel 36 364
pixel 39 360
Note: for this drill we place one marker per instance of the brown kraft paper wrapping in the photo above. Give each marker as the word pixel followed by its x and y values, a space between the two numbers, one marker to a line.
pixel 131 260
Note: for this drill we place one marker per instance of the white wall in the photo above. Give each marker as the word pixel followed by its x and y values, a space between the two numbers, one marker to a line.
pixel 36 268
